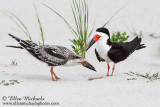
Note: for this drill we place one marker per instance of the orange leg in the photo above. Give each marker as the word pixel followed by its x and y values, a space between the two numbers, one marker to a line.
pixel 113 70
pixel 55 76
pixel 108 70
pixel 52 74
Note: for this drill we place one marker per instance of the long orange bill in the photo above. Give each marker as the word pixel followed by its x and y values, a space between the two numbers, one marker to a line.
pixel 88 65
pixel 90 44
pixel 95 39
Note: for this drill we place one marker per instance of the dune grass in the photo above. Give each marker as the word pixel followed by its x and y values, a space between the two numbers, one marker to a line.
pixel 154 76
pixel 20 24
pixel 81 32
pixel 116 14
pixel 23 27
pixel 10 82
pixel 40 25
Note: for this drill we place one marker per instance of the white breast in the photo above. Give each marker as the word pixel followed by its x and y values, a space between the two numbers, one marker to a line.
pixel 72 62
pixel 102 49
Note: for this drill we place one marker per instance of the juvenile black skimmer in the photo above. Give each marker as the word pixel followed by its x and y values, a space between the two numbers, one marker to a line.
pixel 52 55
pixel 113 52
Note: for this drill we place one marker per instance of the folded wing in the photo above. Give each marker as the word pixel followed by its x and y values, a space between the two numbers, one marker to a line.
pixel 120 51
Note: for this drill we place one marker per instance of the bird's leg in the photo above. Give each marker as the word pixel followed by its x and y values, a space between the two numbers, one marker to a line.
pixel 55 76
pixel 52 74
pixel 108 70
pixel 113 69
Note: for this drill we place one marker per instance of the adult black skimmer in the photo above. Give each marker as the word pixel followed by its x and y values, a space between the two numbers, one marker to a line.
pixel 113 52
pixel 52 55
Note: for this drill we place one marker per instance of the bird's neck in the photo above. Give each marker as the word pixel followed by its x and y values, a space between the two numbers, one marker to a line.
pixel 102 44
pixel 102 48
pixel 109 42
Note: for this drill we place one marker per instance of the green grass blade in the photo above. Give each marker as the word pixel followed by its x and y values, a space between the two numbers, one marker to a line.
pixel 78 9
pixel 91 30
pixel 73 6
pixel 40 25
pixel 60 17
pixel 115 14
pixel 85 22
pixel 75 19
pixel 27 31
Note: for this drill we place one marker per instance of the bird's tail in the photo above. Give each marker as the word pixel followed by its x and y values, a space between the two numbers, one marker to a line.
pixel 24 43
pixel 141 46
pixel 16 38
pixel 135 45
pixel 19 47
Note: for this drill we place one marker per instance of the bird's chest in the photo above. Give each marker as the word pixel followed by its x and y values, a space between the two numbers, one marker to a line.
pixel 71 63
pixel 102 49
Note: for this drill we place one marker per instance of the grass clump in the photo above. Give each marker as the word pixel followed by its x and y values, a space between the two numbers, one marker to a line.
pixel 81 32
pixel 14 63
pixel 23 27
pixel 154 76
pixel 10 82
pixel 77 45
pixel 119 37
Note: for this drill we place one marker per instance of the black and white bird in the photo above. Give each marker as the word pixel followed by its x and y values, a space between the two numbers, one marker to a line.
pixel 52 55
pixel 113 52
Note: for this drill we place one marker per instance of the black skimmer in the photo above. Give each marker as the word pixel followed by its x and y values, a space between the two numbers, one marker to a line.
pixel 52 55
pixel 113 52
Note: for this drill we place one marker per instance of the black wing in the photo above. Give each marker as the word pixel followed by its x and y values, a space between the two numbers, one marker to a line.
pixel 120 51
pixel 98 57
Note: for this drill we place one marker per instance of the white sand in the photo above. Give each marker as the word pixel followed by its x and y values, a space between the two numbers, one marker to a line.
pixel 74 89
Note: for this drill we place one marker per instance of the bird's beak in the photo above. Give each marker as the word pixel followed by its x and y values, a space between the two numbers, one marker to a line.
pixel 95 39
pixel 88 65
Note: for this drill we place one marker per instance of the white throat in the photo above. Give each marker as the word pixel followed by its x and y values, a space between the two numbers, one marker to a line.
pixel 102 47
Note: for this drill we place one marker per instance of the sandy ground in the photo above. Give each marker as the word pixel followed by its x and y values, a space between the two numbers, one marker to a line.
pixel 74 89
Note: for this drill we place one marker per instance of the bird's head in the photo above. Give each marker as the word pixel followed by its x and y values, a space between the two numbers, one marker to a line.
pixel 100 34
pixel 79 60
